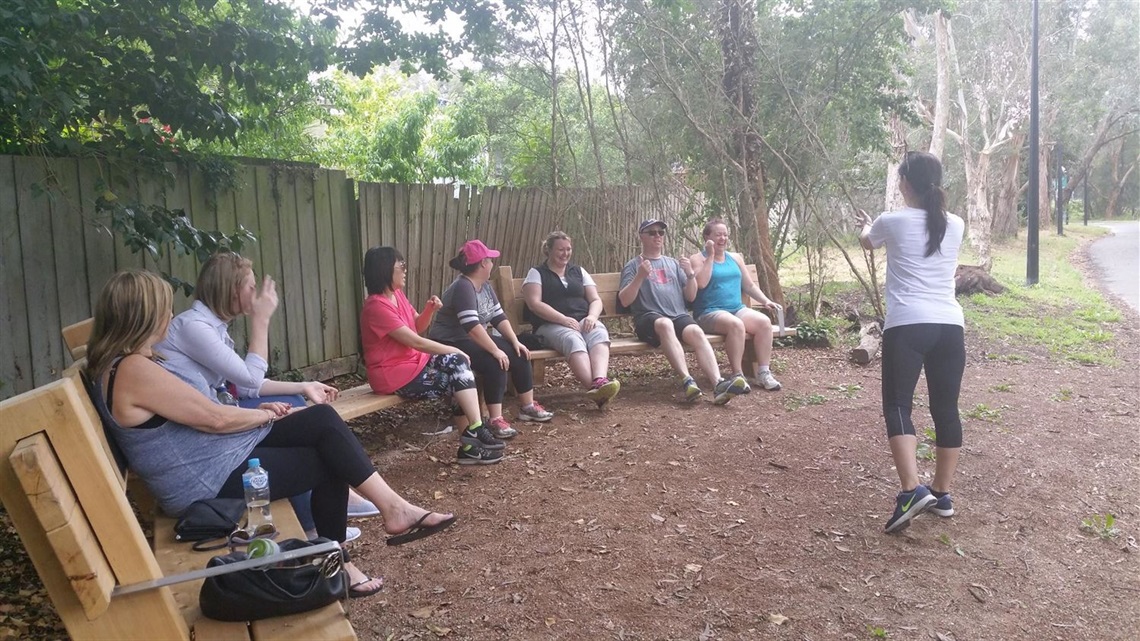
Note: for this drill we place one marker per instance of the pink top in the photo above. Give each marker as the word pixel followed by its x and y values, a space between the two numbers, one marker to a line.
pixel 391 364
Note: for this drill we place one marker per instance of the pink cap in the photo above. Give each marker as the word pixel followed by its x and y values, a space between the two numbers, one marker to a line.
pixel 475 251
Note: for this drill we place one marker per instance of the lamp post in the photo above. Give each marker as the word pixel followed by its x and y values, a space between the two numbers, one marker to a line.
pixel 1032 206
pixel 1060 187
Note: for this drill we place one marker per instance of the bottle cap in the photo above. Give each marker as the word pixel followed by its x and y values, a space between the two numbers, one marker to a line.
pixel 254 462
pixel 262 547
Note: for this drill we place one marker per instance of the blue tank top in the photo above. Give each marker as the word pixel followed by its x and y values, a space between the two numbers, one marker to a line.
pixel 723 291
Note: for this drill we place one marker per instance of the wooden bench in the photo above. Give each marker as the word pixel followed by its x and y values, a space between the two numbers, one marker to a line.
pixel 509 290
pixel 67 500
pixel 351 403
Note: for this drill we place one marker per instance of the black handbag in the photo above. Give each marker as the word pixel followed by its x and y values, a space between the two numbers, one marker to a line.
pixel 290 587
pixel 207 520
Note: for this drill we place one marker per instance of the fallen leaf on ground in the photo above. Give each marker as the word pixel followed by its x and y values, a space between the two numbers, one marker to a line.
pixel 693 567
pixel 657 517
pixel 778 619
pixel 438 631
pixel 424 612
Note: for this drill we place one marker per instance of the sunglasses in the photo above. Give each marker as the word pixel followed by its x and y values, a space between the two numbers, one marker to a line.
pixel 242 536
pixel 654 232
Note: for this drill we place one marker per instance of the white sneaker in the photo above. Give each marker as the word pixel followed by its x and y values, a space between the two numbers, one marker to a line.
pixel 767 381
pixel 360 507
pixel 351 534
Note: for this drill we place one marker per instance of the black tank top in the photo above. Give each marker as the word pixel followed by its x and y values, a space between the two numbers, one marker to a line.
pixel 155 421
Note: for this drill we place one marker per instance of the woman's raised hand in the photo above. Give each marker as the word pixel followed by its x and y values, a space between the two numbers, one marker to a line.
pixel 710 247
pixel 433 305
pixel 862 219
pixel 265 299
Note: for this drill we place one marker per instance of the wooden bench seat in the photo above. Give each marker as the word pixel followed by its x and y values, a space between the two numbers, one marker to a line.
pixel 68 502
pixel 510 292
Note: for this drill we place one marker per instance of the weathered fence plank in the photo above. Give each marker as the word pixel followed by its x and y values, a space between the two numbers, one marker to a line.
pixel 15 348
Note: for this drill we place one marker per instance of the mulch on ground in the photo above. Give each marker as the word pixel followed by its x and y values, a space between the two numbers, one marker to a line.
pixel 759 520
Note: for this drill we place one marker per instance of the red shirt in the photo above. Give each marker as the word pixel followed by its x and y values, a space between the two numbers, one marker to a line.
pixel 391 364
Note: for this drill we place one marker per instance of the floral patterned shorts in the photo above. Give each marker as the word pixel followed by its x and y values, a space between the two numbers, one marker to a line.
pixel 443 375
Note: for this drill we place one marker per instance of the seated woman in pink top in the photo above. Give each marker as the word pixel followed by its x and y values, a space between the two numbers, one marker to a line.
pixel 402 362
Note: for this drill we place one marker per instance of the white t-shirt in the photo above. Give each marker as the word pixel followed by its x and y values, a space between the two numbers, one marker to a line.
pixel 920 289
pixel 534 278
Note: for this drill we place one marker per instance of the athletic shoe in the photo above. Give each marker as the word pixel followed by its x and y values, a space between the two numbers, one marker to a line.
pixel 535 413
pixel 603 391
pixel 767 381
pixel 942 505
pixel 500 428
pixel 909 505
pixel 729 389
pixel 743 383
pixel 477 455
pixel 360 507
pixel 483 437
pixel 691 390
pixel 351 534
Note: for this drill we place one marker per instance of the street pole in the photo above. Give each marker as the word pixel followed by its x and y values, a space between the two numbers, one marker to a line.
pixel 1060 183
pixel 1032 205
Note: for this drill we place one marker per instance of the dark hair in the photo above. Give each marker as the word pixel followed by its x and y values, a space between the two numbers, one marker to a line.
pixel 379 267
pixel 460 263
pixel 923 172
pixel 713 222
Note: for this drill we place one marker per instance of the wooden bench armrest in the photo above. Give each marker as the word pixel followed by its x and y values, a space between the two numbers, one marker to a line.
pixel 174 579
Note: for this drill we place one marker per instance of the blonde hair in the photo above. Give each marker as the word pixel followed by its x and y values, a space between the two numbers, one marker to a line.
pixel 548 244
pixel 713 223
pixel 133 306
pixel 218 283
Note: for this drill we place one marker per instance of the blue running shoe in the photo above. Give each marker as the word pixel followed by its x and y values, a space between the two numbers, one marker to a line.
pixel 690 390
pixel 909 505
pixel 942 505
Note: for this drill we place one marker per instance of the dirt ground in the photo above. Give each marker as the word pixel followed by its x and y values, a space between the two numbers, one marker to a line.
pixel 759 520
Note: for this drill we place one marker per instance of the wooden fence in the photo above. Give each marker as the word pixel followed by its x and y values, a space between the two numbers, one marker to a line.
pixel 312 228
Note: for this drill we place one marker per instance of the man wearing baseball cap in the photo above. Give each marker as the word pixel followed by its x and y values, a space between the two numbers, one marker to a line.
pixel 656 288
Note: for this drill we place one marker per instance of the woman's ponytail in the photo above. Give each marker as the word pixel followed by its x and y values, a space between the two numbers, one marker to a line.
pixel 923 172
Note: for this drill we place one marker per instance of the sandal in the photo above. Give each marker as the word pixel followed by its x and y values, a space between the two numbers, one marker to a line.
pixel 419 530
pixel 360 594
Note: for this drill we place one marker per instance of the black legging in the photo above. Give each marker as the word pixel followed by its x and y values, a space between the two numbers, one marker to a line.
pixel 494 378
pixel 941 349
pixel 314 450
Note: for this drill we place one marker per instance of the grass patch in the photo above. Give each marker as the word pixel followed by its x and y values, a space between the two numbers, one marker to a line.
pixel 984 412
pixel 1061 313
pixel 796 401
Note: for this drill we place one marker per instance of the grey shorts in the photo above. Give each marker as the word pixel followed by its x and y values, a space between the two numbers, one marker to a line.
pixel 566 341
pixel 707 321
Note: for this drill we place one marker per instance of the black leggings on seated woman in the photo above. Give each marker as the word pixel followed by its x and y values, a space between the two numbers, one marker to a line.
pixel 314 450
pixel 494 378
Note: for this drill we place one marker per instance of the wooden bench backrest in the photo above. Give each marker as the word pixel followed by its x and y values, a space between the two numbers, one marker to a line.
pixel 75 337
pixel 510 292
pixel 66 499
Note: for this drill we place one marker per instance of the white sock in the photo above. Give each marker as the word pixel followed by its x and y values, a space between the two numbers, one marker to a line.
pixel 764 368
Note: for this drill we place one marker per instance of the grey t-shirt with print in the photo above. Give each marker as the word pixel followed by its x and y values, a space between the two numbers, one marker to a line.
pixel 662 291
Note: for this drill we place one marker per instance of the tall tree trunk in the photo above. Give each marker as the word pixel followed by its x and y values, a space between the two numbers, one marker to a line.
pixel 1045 217
pixel 942 91
pixel 1009 191
pixel 1118 181
pixel 738 48
pixel 892 198
pixel 981 220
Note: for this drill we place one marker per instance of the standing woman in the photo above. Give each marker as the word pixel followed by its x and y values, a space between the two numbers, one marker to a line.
pixel 198 349
pixel 402 362
pixel 923 329
pixel 563 305
pixel 469 305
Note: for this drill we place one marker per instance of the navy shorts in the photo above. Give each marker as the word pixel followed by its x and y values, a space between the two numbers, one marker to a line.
pixel 643 326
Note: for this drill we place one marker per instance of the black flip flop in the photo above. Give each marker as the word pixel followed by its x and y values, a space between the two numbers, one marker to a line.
pixel 419 531
pixel 353 593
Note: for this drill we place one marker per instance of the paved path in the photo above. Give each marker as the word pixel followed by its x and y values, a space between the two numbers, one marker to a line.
pixel 1117 259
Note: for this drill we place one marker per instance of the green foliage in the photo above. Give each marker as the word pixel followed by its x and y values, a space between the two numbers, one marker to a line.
pixel 796 401
pixel 152 229
pixel 818 332
pixel 984 412
pixel 1102 526
pixel 91 72
pixel 1061 314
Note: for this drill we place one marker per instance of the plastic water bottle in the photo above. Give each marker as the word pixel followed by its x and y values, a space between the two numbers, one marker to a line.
pixel 256 484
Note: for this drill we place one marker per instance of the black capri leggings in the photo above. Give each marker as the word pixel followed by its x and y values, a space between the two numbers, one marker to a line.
pixel 941 349
pixel 314 450
pixel 494 378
